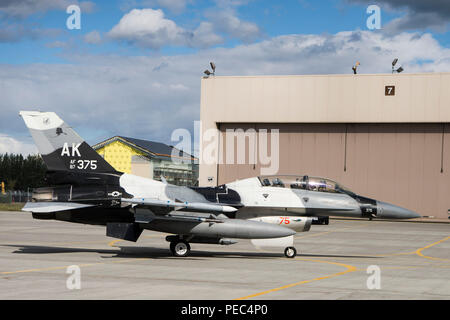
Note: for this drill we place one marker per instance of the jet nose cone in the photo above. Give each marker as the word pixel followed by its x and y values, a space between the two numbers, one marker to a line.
pixel 390 211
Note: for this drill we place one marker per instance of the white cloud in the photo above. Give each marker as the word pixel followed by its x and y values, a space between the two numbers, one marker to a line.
pixel 86 6
pixel 178 87
pixel 15 32
pixel 204 36
pixel 231 3
pixel 57 44
pixel 93 37
pixel 11 145
pixel 226 21
pixel 13 27
pixel 148 97
pixel 175 6
pixel 418 21
pixel 418 14
pixel 149 28
pixel 24 8
pixel 222 21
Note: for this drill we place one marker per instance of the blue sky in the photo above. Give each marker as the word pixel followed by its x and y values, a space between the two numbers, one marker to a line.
pixel 145 58
pixel 272 18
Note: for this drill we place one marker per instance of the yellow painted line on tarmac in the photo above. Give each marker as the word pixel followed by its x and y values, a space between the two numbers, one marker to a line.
pixel 419 251
pixel 65 267
pixel 47 269
pixel 348 267
pixel 112 243
pixel 394 254
pixel 43 244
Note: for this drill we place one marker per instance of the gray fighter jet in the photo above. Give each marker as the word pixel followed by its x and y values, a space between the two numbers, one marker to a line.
pixel 269 210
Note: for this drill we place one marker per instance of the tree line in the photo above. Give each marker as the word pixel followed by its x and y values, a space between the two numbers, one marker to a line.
pixel 20 173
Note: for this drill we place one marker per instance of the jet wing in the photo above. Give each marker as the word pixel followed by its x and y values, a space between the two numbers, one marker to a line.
pixel 192 206
pixel 47 207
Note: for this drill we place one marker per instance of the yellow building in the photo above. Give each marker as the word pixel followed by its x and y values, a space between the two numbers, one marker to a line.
pixel 149 159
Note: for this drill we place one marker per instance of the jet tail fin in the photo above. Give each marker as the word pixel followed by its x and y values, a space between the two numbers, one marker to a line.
pixel 61 148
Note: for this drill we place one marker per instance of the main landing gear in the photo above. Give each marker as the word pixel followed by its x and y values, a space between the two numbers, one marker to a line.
pixel 290 252
pixel 180 248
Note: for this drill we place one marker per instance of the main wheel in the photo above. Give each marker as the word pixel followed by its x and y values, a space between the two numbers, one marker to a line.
pixel 180 248
pixel 290 252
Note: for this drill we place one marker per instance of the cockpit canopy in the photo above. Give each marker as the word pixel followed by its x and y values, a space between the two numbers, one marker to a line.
pixel 303 182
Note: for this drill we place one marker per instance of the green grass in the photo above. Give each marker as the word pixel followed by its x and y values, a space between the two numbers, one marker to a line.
pixel 11 206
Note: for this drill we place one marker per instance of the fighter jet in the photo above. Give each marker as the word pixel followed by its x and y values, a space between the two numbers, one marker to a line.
pixel 86 189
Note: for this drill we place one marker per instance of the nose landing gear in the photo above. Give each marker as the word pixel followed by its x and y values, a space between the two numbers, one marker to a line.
pixel 290 252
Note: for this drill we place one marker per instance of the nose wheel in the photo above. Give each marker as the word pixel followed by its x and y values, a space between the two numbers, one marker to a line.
pixel 290 252
pixel 180 248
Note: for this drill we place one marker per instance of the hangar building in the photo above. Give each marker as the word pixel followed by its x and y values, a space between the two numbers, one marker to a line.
pixel 385 136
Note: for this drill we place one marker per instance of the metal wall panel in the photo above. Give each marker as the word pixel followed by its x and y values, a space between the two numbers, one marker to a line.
pixel 405 164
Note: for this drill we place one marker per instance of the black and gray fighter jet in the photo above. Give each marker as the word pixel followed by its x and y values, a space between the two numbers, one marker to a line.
pixel 87 189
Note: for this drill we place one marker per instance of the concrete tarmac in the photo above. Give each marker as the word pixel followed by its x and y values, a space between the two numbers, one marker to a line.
pixel 338 261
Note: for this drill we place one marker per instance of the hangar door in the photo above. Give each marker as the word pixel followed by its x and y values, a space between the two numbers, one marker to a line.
pixel 405 164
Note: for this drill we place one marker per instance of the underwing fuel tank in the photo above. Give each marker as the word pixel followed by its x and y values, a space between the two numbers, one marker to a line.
pixel 226 228
pixel 298 224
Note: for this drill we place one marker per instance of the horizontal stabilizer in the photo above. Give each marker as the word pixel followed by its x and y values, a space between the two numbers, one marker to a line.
pixel 45 207
pixel 198 206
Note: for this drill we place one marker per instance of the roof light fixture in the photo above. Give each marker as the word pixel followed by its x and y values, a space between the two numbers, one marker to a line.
pixel 209 73
pixel 355 67
pixel 399 70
